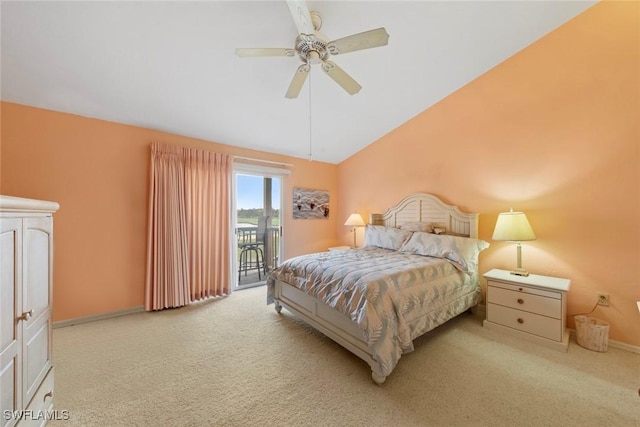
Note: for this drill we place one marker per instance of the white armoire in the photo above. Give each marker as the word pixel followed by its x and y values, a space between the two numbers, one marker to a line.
pixel 26 262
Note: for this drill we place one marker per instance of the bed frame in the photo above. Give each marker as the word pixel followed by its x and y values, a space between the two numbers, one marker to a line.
pixel 419 207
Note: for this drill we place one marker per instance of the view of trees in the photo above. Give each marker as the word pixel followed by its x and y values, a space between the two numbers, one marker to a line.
pixel 250 216
pixel 256 212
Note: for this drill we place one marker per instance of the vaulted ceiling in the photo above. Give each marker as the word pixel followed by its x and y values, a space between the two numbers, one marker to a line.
pixel 171 66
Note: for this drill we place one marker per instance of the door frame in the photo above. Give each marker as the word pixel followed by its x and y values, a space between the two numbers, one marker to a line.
pixel 240 168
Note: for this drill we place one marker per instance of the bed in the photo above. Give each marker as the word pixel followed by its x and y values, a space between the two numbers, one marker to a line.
pixel 417 270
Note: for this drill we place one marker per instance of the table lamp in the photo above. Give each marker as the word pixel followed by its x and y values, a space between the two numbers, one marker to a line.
pixel 514 227
pixel 354 220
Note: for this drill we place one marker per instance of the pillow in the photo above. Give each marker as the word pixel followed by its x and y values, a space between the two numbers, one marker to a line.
pixel 439 230
pixel 385 237
pixel 460 251
pixel 416 226
pixel 424 227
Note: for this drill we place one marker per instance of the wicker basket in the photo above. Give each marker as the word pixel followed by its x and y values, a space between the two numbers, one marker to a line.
pixel 591 333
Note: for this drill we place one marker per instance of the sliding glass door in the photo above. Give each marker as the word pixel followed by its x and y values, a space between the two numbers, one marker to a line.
pixel 257 226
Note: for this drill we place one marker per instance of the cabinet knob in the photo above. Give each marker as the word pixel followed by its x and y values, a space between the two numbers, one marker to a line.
pixel 49 394
pixel 520 320
pixel 26 315
pixel 520 301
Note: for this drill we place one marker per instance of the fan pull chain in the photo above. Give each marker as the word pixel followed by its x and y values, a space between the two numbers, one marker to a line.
pixel 310 127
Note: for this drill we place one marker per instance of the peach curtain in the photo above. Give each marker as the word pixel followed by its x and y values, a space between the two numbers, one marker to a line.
pixel 188 251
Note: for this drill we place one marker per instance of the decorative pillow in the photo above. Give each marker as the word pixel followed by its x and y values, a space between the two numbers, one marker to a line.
pixel 439 230
pixel 416 226
pixel 461 251
pixel 385 237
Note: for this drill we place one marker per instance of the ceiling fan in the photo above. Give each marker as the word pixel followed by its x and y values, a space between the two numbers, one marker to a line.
pixel 313 47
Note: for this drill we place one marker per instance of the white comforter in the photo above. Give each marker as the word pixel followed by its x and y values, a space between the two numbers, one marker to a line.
pixel 393 297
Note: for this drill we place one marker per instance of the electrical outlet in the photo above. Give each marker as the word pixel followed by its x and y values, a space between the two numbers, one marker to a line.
pixel 603 299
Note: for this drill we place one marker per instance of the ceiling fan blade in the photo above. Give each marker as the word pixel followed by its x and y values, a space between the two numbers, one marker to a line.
pixel 301 17
pixel 340 77
pixel 260 51
pixel 298 80
pixel 366 40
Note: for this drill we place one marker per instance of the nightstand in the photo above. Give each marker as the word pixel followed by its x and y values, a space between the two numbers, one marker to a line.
pixel 532 307
pixel 339 248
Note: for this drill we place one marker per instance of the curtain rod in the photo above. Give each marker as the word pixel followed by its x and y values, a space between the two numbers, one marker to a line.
pixel 249 159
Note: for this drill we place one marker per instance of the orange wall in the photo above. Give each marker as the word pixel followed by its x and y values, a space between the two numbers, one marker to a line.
pixel 98 172
pixel 553 131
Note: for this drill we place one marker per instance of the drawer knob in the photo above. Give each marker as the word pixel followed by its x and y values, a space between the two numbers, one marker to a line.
pixel 49 394
pixel 520 301
pixel 520 320
pixel 26 315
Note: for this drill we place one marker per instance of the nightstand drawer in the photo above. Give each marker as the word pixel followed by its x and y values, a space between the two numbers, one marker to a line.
pixel 535 324
pixel 527 289
pixel 518 300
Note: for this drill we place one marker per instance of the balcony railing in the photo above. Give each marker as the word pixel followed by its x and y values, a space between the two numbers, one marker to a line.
pixel 268 245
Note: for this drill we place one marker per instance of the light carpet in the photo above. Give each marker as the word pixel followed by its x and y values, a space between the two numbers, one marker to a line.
pixel 236 362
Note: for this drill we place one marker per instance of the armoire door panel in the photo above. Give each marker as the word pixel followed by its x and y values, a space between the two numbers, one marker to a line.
pixel 37 264
pixel 37 359
pixel 37 295
pixel 8 396
pixel 10 301
pixel 10 247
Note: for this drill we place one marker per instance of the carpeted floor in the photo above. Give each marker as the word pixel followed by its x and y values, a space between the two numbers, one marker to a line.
pixel 236 362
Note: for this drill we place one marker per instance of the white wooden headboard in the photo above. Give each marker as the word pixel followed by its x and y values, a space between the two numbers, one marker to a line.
pixel 427 208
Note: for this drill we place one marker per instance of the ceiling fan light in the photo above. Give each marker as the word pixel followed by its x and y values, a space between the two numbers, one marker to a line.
pixel 313 57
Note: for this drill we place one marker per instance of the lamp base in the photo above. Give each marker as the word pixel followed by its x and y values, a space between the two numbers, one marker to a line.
pixel 519 272
pixel 354 237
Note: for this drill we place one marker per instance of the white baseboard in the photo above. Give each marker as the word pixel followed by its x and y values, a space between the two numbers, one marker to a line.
pixel 94 317
pixel 614 344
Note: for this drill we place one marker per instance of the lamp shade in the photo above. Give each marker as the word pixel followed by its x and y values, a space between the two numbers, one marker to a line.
pixel 513 226
pixel 355 220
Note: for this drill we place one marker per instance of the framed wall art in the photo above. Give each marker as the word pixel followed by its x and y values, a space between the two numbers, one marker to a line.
pixel 310 204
